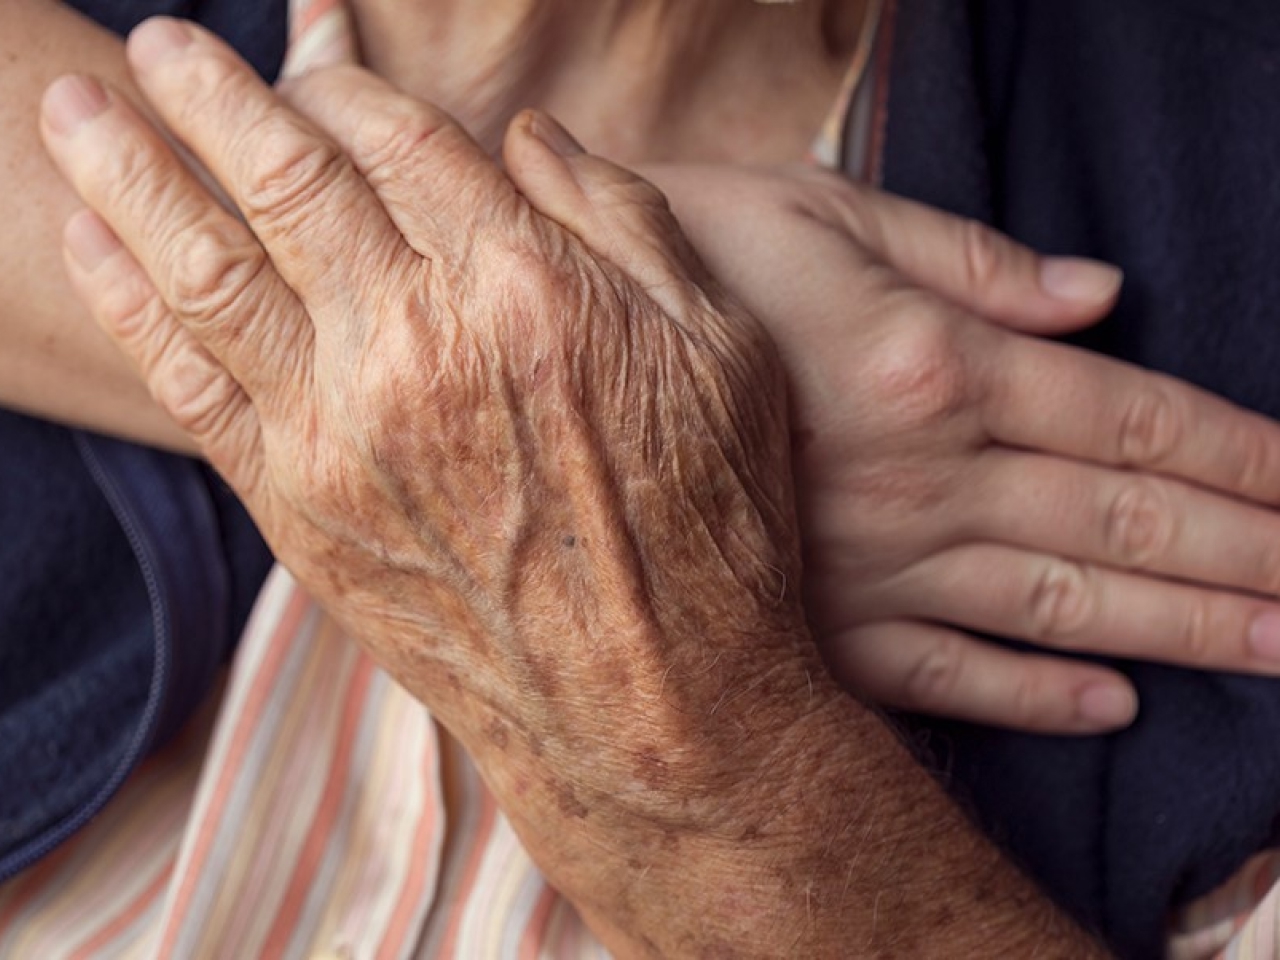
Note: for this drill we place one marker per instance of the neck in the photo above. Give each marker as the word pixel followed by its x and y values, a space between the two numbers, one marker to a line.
pixel 635 80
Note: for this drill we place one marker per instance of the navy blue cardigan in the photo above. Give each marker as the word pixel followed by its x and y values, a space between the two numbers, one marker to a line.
pixel 1144 132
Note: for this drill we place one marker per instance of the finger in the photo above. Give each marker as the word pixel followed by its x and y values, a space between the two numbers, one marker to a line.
pixel 298 191
pixel 1084 608
pixel 436 183
pixel 207 266
pixel 1125 519
pixel 1060 399
pixel 186 380
pixel 978 267
pixel 621 216
pixel 932 669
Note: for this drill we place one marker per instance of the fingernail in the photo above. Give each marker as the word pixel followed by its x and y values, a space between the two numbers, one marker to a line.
pixel 1264 636
pixel 556 137
pixel 70 101
pixel 158 39
pixel 1079 280
pixel 89 240
pixel 1107 704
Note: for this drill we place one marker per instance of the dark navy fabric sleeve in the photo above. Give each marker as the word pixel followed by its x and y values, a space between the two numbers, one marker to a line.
pixel 256 28
pixel 1147 133
pixel 126 574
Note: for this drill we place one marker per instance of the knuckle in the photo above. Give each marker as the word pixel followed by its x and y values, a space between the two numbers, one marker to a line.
pixel 540 295
pixel 393 139
pixel 195 390
pixel 919 374
pixel 1139 522
pixel 1060 604
pixel 648 216
pixel 1150 428
pixel 630 192
pixel 210 82
pixel 290 170
pixel 933 681
pixel 1027 699
pixel 132 177
pixel 126 305
pixel 534 276
pixel 1196 638
pixel 215 269
pixel 152 344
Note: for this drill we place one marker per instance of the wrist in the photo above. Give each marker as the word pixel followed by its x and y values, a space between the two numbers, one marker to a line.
pixel 761 868
pixel 838 843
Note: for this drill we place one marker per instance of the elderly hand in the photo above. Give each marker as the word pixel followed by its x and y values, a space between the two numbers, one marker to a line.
pixel 956 474
pixel 506 430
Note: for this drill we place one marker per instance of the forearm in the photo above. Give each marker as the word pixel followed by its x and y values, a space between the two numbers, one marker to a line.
pixel 896 869
pixel 850 850
pixel 54 361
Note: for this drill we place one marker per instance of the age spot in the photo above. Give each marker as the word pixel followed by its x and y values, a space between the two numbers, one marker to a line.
pixel 497 733
pixel 569 803
pixel 651 769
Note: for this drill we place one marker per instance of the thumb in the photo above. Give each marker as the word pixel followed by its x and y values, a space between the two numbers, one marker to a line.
pixel 980 268
pixel 622 217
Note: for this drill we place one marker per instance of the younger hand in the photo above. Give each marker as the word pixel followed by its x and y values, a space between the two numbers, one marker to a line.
pixel 956 474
